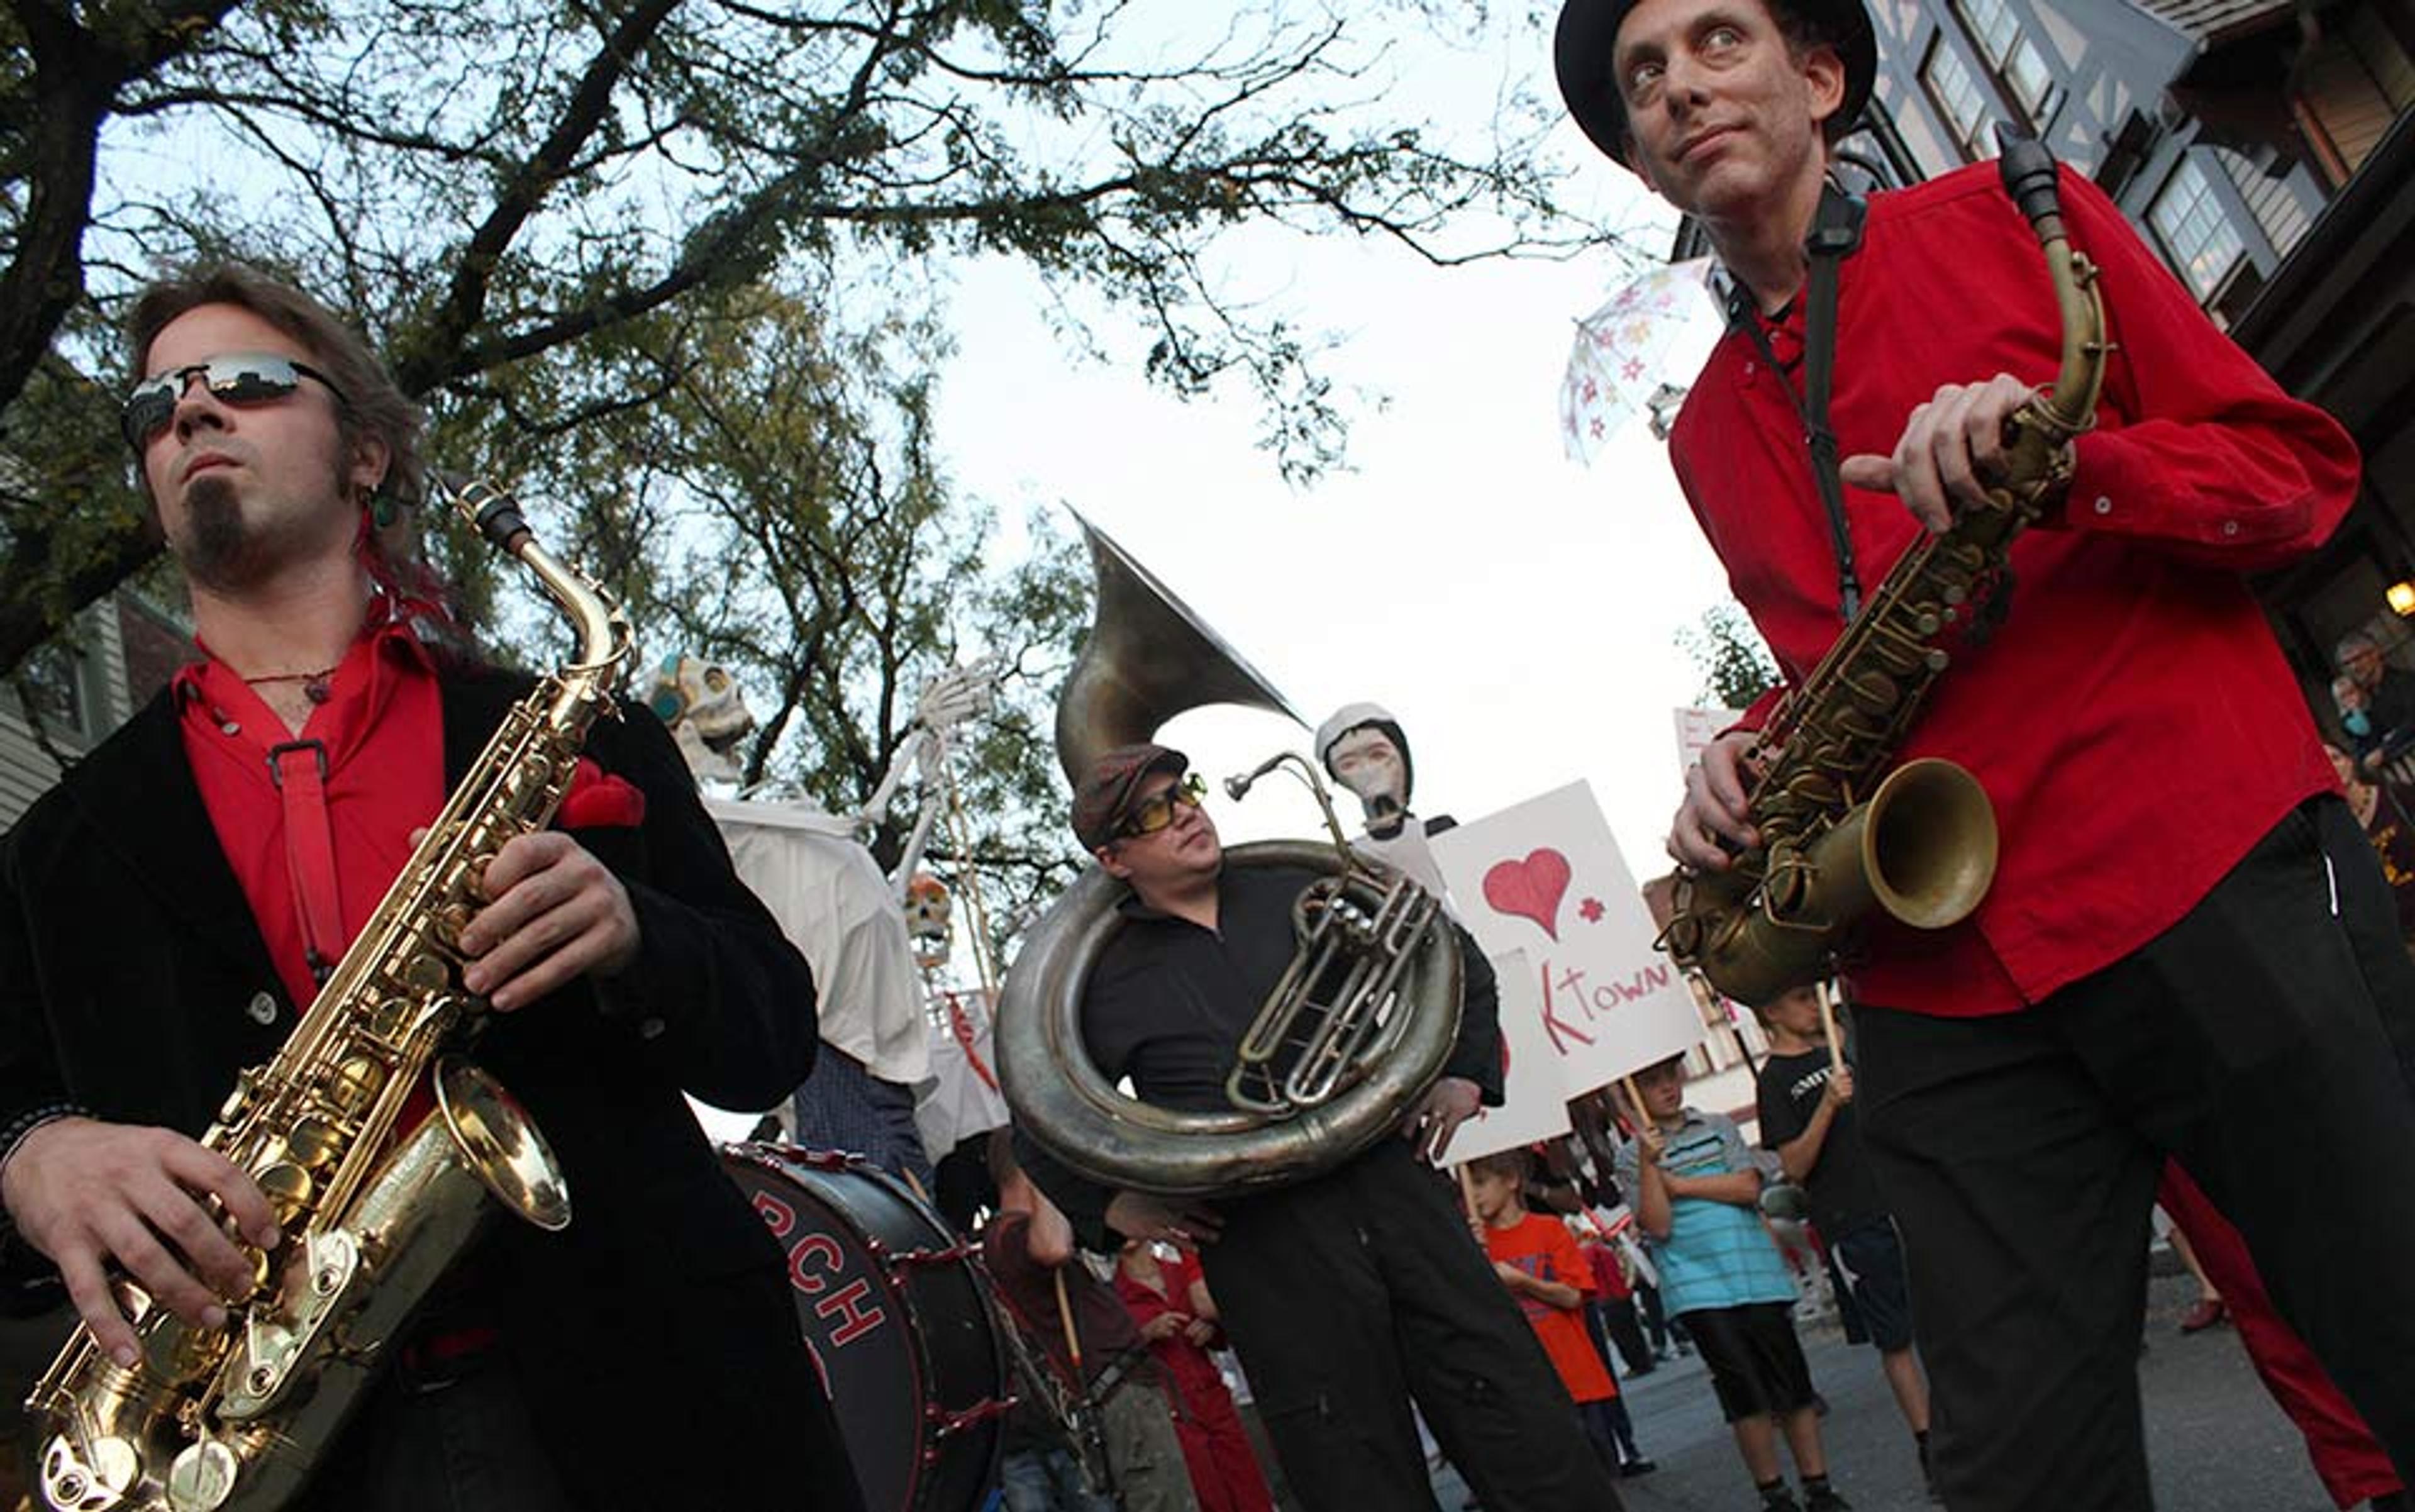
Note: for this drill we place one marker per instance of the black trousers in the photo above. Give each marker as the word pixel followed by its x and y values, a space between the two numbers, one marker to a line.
pixel 1620 1320
pixel 1349 1294
pixel 2258 1041
pixel 1647 1301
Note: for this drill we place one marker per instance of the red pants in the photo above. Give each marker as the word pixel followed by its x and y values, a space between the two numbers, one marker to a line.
pixel 1216 1448
pixel 2352 1465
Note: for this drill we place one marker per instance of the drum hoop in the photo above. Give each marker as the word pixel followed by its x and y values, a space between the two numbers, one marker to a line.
pixel 787 1162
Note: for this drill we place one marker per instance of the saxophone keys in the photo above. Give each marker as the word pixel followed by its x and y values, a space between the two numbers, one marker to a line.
pixel 237 1099
pixel 201 1476
pixel 93 1480
pixel 314 1143
pixel 1874 692
pixel 355 1084
pixel 279 1335
pixel 287 1186
pixel 450 920
pixel 427 971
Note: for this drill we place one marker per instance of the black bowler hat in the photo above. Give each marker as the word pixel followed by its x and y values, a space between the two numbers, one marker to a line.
pixel 1583 55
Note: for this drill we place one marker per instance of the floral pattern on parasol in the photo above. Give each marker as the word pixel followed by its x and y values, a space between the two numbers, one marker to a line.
pixel 1626 351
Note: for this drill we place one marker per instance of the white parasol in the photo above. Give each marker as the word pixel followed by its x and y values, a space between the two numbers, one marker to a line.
pixel 1629 352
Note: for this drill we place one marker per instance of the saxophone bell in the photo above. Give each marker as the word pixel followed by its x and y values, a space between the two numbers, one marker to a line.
pixel 1922 851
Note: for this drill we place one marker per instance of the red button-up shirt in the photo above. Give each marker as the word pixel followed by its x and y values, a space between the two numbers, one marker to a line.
pixel 2134 720
pixel 382 727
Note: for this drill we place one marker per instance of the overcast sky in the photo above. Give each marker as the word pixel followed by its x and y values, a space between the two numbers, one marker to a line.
pixel 1515 609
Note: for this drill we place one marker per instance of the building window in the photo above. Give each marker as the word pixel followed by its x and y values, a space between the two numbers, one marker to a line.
pixel 55 684
pixel 2351 82
pixel 1960 101
pixel 2272 201
pixel 1875 151
pixel 2019 64
pixel 2198 239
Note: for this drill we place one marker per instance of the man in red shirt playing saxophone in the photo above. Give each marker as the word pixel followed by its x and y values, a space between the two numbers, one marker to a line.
pixel 2160 969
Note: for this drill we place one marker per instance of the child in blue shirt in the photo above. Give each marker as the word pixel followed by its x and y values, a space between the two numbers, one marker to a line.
pixel 1697 1191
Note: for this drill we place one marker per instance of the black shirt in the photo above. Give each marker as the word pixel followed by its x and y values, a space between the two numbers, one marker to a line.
pixel 1168 1002
pixel 1844 1196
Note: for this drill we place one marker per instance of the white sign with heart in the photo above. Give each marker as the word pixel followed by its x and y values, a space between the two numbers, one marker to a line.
pixel 1546 877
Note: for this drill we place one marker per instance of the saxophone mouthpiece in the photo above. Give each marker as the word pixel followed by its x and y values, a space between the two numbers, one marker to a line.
pixel 2029 173
pixel 495 513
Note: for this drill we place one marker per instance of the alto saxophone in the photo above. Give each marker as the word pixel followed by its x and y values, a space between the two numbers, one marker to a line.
pixel 237 1417
pixel 1839 834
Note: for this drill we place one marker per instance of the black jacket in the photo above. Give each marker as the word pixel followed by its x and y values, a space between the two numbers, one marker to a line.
pixel 129 970
pixel 1167 1003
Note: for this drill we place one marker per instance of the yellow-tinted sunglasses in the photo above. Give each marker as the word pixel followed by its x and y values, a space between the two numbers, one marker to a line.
pixel 1155 812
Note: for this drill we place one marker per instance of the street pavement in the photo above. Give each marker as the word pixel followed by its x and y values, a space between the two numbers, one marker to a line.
pixel 2216 1440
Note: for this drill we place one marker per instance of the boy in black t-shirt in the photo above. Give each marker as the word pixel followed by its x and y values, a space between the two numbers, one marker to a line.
pixel 1806 1117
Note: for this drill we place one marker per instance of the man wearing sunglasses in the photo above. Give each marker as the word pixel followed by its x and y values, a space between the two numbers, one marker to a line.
pixel 167 909
pixel 1354 1290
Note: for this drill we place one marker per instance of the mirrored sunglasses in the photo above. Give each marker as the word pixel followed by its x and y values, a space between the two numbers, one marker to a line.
pixel 1155 812
pixel 235 378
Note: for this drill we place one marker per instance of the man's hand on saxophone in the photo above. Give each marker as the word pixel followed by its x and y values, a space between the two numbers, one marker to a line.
pixel 1715 817
pixel 1950 448
pixel 556 914
pixel 87 1193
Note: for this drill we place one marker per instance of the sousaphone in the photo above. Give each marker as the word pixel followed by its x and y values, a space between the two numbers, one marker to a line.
pixel 1361 1024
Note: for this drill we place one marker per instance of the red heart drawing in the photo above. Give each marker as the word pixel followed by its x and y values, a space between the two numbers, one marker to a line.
pixel 1531 889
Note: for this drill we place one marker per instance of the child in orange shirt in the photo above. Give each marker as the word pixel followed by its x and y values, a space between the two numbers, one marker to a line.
pixel 1538 1261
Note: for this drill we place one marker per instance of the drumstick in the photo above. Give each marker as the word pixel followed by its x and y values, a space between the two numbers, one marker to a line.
pixel 1065 1317
pixel 1828 1022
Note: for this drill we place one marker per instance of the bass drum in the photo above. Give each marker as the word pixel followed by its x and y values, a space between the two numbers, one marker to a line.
pixel 897 1312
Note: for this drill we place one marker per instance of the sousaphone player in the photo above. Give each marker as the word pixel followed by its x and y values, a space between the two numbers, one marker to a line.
pixel 1348 1284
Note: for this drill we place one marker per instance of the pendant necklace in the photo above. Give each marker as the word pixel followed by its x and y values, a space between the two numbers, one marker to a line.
pixel 314 685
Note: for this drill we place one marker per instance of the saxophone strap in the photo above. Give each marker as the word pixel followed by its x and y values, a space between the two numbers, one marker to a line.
pixel 1835 233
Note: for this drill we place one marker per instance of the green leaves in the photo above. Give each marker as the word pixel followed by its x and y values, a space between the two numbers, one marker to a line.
pixel 660 264
pixel 1736 665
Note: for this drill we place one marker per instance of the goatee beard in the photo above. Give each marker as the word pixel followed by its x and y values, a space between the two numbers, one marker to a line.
pixel 217 551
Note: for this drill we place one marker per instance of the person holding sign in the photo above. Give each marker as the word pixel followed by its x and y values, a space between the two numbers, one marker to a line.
pixel 1806 1098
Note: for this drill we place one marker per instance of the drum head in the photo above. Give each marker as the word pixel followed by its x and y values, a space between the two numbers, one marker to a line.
pixel 897 1320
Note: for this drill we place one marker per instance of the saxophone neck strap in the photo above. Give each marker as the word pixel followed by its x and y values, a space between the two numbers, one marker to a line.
pixel 1836 235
